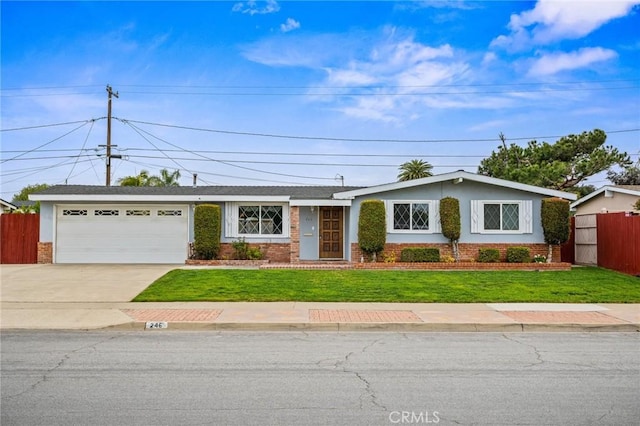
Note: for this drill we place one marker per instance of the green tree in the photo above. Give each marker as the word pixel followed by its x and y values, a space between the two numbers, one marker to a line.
pixel 555 222
pixel 561 165
pixel 414 169
pixel 166 178
pixel 628 176
pixel 141 179
pixel 23 195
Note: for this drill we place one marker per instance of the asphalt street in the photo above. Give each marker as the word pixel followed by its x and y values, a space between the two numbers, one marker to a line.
pixel 269 378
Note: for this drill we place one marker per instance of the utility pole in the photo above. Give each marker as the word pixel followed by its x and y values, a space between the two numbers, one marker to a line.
pixel 110 93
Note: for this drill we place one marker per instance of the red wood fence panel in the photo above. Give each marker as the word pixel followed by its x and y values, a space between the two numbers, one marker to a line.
pixel 619 242
pixel 19 235
pixel 568 249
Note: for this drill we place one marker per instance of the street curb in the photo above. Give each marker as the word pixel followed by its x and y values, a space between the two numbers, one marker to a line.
pixel 399 327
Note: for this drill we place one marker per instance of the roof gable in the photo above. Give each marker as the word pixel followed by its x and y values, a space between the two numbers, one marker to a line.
pixel 620 189
pixel 455 177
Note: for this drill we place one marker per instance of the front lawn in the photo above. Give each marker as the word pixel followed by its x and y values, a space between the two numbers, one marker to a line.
pixel 580 285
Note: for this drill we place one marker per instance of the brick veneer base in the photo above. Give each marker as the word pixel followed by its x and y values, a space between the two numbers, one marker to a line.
pixel 273 252
pixel 468 252
pixel 45 253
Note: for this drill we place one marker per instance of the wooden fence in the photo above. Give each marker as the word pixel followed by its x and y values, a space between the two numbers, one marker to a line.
pixel 19 235
pixel 619 242
pixel 609 240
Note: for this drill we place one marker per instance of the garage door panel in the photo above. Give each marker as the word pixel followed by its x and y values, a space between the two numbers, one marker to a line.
pixel 121 234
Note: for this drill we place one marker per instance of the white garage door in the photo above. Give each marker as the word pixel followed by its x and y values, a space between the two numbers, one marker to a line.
pixel 121 234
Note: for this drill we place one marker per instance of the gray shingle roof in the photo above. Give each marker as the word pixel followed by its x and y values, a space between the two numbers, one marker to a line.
pixel 295 192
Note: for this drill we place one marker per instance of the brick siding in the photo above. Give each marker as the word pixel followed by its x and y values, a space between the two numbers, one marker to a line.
pixel 45 253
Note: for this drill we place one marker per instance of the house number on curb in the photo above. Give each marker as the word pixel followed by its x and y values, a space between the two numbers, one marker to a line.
pixel 156 324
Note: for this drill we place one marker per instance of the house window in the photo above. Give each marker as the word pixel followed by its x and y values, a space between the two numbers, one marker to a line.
pixel 260 220
pixel 412 216
pixel 501 217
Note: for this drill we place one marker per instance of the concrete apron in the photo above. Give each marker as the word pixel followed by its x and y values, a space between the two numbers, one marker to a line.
pixel 77 283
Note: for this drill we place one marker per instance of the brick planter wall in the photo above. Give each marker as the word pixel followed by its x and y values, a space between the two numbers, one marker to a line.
pixel 464 266
pixel 273 252
pixel 45 253
pixel 467 251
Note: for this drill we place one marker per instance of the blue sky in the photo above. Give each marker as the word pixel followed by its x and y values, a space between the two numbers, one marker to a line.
pixel 358 87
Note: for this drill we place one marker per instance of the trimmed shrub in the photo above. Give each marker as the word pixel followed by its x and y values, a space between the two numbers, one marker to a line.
pixel 556 223
pixel 420 254
pixel 372 227
pixel 488 255
pixel 518 255
pixel 206 228
pixel 450 222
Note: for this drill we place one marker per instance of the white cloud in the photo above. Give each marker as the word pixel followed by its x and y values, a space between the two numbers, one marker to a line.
pixel 553 20
pixel 290 25
pixel 253 7
pixel 557 62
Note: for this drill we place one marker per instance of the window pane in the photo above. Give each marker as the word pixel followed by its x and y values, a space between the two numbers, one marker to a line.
pixel 271 220
pixel 492 217
pixel 510 217
pixel 420 216
pixel 401 216
pixel 249 219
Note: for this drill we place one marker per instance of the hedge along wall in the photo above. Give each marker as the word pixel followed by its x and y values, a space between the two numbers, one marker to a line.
pixel 468 251
pixel 207 227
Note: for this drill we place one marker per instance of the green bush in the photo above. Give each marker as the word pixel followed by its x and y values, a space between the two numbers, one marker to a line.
pixel 372 226
pixel 488 255
pixel 243 251
pixel 206 228
pixel 420 254
pixel 518 255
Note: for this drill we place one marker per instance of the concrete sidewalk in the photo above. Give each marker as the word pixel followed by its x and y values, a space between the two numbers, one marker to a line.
pixel 86 297
pixel 277 316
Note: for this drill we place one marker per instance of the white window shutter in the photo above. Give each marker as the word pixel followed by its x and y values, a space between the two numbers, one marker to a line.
pixel 526 217
pixel 388 207
pixel 230 220
pixel 435 213
pixel 476 216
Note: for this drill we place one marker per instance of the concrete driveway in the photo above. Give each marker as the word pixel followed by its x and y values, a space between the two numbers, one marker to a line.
pixel 77 283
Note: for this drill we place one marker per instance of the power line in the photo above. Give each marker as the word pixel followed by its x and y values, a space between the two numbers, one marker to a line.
pixel 336 139
pixel 51 125
pixel 45 144
pixel 222 162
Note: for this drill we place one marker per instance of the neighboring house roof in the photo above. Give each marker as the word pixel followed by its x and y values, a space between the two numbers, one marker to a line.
pixel 28 203
pixel 7 205
pixel 455 177
pixel 633 190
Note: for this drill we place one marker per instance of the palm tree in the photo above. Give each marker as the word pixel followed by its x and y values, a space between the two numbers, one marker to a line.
pixel 142 179
pixel 145 179
pixel 169 179
pixel 414 169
